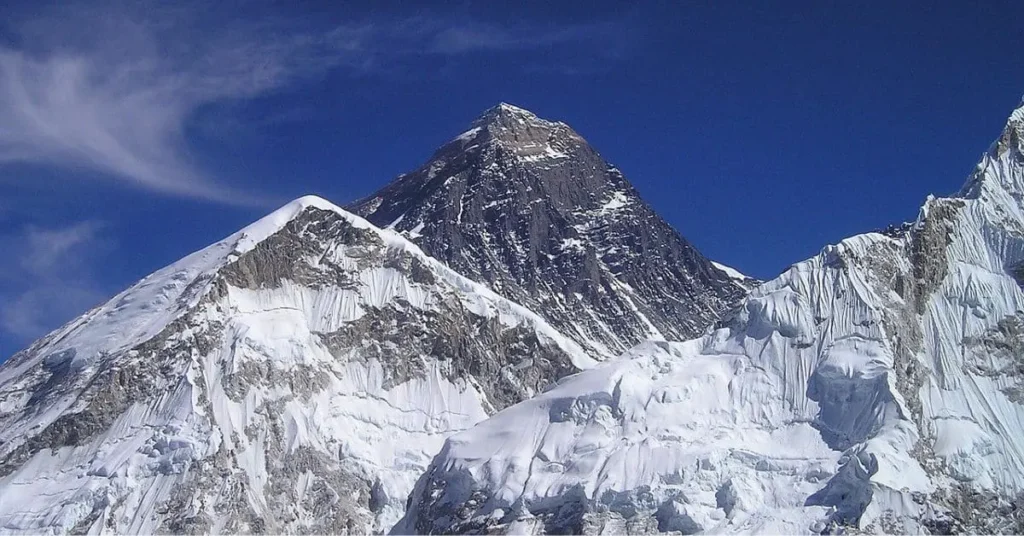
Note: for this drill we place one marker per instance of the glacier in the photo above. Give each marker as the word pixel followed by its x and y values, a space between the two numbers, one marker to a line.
pixel 877 387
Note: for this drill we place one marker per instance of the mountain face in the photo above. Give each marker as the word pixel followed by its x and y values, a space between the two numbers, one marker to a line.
pixel 529 208
pixel 877 387
pixel 315 373
pixel 295 377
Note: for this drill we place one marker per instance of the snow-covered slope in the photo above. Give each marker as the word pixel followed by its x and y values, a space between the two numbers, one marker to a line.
pixel 297 376
pixel 878 385
pixel 528 207
pixel 740 278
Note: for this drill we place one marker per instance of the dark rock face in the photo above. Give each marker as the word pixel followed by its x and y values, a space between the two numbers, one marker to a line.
pixel 512 362
pixel 529 208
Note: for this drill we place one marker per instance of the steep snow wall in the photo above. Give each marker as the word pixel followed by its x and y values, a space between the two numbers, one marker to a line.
pixel 877 385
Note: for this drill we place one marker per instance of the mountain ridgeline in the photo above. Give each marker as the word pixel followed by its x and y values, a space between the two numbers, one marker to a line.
pixel 299 375
pixel 509 340
pixel 877 387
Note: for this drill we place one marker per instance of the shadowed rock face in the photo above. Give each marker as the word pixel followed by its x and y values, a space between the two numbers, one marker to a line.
pixel 297 253
pixel 511 362
pixel 528 207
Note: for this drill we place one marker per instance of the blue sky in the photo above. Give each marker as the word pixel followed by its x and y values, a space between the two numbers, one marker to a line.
pixel 134 133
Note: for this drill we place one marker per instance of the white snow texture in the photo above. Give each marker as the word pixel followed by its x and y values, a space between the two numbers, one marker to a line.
pixel 863 387
pixel 873 385
pixel 120 480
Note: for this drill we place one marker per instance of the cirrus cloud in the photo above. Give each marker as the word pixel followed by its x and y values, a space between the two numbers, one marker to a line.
pixel 118 101
pixel 49 278
pixel 111 87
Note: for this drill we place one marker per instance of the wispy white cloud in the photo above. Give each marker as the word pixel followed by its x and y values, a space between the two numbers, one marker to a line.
pixel 472 36
pixel 48 278
pixel 111 87
pixel 112 91
pixel 47 250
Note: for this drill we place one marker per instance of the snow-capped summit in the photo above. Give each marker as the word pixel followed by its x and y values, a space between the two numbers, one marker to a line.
pixel 296 376
pixel 877 387
pixel 518 131
pixel 507 114
pixel 998 175
pixel 528 207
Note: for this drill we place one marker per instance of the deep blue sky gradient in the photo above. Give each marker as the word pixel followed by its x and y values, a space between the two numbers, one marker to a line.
pixel 761 133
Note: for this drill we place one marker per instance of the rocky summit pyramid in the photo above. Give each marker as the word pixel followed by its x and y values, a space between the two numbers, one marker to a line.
pixel 875 388
pixel 529 208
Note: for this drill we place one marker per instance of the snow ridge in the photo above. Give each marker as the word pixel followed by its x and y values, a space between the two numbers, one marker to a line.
pixel 296 376
pixel 875 386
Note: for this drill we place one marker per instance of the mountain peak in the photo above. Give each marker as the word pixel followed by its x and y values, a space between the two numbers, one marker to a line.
pixel 505 113
pixel 520 131
pixel 527 206
pixel 266 226
pixel 1016 119
pixel 996 176
pixel 507 122
pixel 311 315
